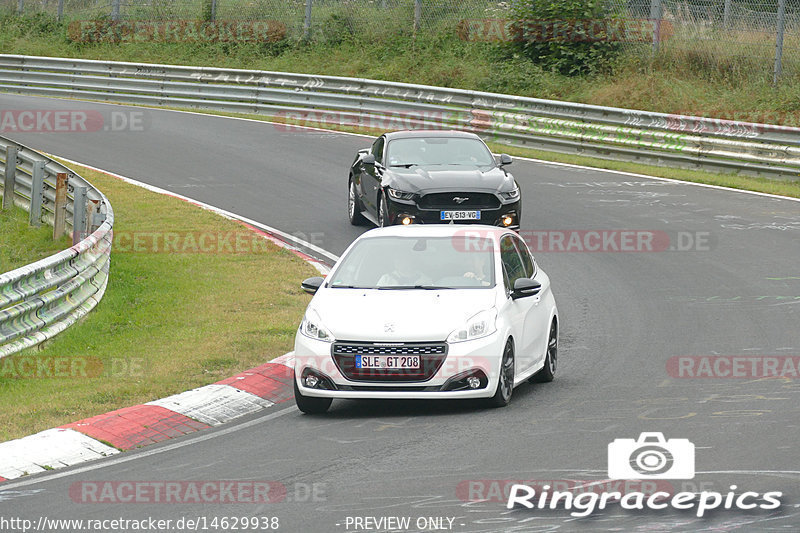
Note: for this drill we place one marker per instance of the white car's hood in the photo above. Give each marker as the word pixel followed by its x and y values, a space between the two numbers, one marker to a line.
pixel 398 315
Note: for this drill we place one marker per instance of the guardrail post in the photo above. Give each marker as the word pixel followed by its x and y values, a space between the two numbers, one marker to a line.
pixel 307 21
pixel 60 208
pixel 779 41
pixel 37 193
pixel 79 208
pixel 10 177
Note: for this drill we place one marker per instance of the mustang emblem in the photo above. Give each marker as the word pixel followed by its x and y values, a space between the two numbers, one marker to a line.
pixel 459 200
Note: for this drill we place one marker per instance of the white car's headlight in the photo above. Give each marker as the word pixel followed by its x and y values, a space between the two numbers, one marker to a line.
pixel 480 325
pixel 312 327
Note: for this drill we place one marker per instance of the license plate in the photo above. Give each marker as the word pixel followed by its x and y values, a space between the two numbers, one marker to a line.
pixel 388 362
pixel 461 215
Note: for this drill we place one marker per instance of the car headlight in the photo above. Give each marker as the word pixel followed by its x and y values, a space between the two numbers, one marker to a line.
pixel 312 327
pixel 510 195
pixel 400 195
pixel 480 325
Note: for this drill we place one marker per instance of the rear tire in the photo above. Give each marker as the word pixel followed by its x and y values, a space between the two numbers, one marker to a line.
pixel 309 404
pixel 354 206
pixel 505 384
pixel 548 372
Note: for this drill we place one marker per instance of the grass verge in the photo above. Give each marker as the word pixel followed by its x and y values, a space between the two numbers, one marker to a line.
pixel 168 322
pixel 21 244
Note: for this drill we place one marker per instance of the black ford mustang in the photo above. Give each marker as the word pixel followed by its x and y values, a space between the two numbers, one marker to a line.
pixel 427 177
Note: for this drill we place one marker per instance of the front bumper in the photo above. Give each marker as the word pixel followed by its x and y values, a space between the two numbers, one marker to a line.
pixel 493 216
pixel 463 359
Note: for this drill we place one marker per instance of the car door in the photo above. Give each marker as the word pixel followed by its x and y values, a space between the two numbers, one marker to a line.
pixel 522 312
pixel 536 328
pixel 371 176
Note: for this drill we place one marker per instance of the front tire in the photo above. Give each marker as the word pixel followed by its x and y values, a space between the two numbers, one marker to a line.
pixel 548 372
pixel 309 404
pixel 383 213
pixel 354 206
pixel 505 384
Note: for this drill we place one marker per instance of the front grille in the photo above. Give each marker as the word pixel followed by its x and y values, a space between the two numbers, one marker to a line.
pixel 432 355
pixel 445 200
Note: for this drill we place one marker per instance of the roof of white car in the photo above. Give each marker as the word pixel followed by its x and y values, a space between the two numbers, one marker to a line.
pixel 437 230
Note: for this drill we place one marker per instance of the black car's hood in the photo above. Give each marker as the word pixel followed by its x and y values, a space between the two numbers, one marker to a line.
pixel 430 178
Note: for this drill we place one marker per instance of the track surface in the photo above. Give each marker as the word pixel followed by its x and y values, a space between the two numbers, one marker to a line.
pixel 623 314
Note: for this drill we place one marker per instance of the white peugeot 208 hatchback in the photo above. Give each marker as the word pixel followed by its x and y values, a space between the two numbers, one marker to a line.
pixel 427 311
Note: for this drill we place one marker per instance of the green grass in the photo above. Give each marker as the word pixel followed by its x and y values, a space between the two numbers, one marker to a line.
pixel 687 77
pixel 168 321
pixel 21 244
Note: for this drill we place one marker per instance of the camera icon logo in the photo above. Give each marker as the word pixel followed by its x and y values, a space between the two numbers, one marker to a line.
pixel 651 457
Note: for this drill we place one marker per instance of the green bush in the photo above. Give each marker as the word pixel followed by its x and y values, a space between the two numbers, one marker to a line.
pixel 567 53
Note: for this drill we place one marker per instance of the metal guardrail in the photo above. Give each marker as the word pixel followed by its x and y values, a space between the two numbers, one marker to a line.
pixel 605 132
pixel 40 300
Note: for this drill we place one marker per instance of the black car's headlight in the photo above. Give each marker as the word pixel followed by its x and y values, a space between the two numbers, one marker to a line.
pixel 510 195
pixel 400 195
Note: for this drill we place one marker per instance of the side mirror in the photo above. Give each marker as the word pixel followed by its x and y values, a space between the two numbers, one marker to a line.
pixel 505 159
pixel 525 287
pixel 312 285
pixel 368 159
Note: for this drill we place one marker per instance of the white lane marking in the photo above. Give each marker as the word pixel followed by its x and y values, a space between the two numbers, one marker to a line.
pixel 209 207
pixel 213 404
pixel 540 161
pixel 52 448
pixel 145 452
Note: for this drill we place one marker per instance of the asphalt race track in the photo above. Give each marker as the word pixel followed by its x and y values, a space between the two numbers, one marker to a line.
pixel 722 280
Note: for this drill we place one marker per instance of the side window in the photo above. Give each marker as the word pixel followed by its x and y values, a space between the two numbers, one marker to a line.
pixel 512 264
pixel 527 260
pixel 377 149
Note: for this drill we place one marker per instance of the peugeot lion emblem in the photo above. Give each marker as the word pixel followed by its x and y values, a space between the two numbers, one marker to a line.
pixel 388 327
pixel 459 199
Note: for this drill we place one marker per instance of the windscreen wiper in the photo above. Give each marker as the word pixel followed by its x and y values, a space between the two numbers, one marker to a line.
pixel 411 287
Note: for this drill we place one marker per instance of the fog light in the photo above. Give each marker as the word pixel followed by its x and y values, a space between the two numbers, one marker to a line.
pixel 406 221
pixel 507 220
pixel 312 381
pixel 473 382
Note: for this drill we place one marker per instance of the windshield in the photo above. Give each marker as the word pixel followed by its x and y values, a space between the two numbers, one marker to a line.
pixel 420 151
pixel 394 263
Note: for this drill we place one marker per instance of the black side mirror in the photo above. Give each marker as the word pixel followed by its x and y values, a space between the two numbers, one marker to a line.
pixel 368 159
pixel 525 287
pixel 312 285
pixel 505 159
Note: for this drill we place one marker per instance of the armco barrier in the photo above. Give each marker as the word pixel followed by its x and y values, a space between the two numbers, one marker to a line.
pixel 39 300
pixel 606 132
